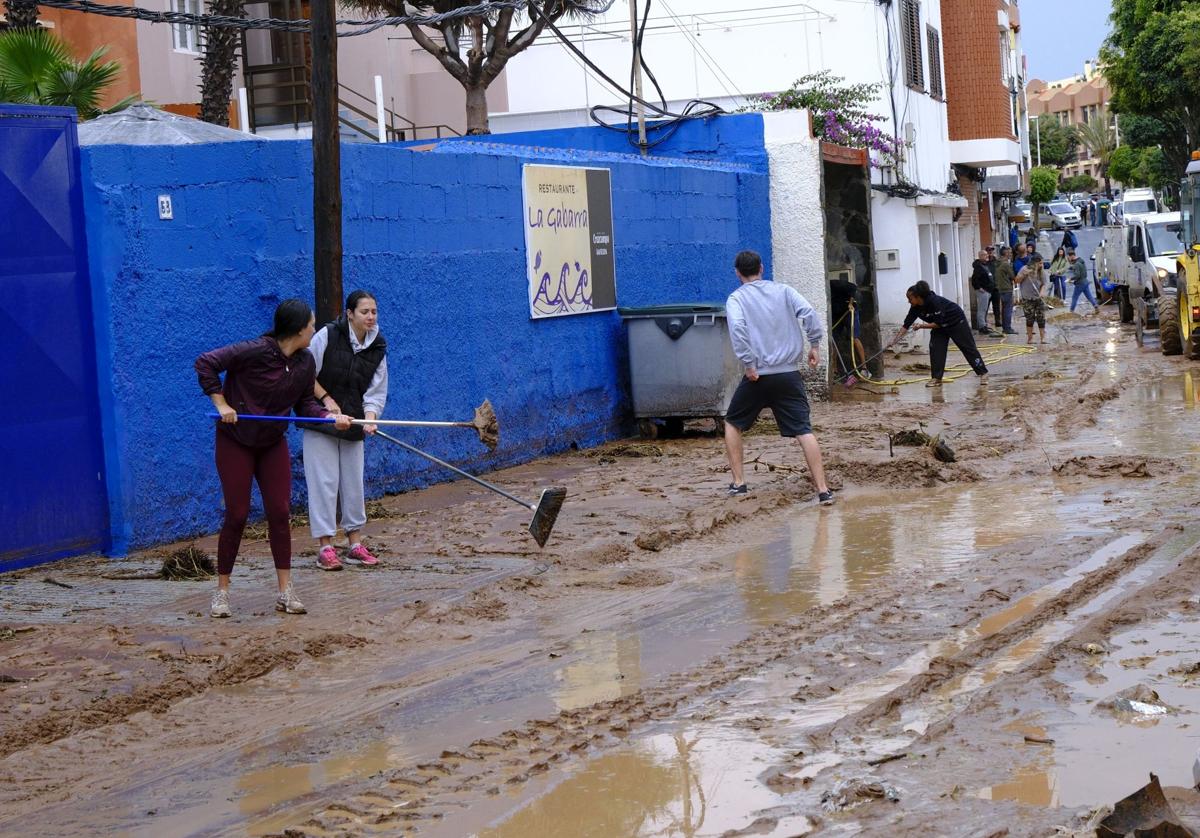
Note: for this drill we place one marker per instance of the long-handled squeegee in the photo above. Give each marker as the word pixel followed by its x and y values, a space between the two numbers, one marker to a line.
pixel 545 511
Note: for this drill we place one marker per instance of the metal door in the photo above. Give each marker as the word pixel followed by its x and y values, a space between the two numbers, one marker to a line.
pixel 52 491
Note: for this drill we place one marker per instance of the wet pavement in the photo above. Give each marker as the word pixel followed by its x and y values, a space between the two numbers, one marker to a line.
pixel 676 663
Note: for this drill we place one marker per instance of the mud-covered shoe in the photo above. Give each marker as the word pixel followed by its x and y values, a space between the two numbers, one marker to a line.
pixel 735 490
pixel 220 604
pixel 934 382
pixel 983 380
pixel 362 555
pixel 289 603
pixel 327 559
pixel 825 498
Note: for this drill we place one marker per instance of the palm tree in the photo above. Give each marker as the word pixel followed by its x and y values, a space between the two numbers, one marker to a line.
pixel 36 68
pixel 21 14
pixel 491 42
pixel 219 63
pixel 1100 140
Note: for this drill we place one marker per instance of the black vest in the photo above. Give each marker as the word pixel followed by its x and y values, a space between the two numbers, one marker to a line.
pixel 346 375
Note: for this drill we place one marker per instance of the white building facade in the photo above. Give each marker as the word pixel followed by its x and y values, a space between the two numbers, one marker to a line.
pixel 705 50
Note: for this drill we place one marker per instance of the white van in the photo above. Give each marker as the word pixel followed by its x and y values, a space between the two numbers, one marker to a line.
pixel 1135 202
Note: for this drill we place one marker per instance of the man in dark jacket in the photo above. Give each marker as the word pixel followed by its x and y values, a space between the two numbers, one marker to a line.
pixel 1004 276
pixel 984 286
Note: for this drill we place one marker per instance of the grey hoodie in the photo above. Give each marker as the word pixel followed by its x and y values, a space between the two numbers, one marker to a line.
pixel 764 326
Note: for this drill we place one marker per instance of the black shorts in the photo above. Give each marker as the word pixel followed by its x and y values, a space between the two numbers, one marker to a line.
pixel 783 392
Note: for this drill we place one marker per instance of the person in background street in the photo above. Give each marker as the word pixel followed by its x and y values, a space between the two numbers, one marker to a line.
pixel 947 322
pixel 765 328
pixel 1013 235
pixel 1032 282
pixel 1058 273
pixel 1069 240
pixel 1004 276
pixel 271 375
pixel 352 378
pixel 992 262
pixel 985 288
pixel 1020 257
pixel 1083 213
pixel 1080 281
pixel 1030 240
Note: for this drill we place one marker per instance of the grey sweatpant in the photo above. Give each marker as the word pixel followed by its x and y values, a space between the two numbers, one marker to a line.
pixel 333 466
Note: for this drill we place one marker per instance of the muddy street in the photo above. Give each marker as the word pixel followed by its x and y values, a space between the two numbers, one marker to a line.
pixel 1003 644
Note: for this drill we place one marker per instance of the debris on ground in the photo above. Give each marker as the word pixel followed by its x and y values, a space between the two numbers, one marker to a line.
pixel 942 452
pixel 1186 668
pixel 8 632
pixel 1146 814
pixel 847 794
pixel 910 439
pixel 1095 649
pixel 1139 700
pixel 187 565
pixel 631 449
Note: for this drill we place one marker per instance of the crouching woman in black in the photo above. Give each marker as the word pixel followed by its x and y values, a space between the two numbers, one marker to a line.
pixel 947 322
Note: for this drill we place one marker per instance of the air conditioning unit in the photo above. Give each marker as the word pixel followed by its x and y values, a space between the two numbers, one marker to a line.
pixel 886 260
pixel 842 273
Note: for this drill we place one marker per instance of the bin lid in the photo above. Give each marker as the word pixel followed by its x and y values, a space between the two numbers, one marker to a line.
pixel 672 309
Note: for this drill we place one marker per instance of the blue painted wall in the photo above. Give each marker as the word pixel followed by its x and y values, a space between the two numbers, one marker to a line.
pixel 437 235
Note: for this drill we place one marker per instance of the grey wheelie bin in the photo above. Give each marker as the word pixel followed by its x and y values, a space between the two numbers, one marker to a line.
pixel 681 364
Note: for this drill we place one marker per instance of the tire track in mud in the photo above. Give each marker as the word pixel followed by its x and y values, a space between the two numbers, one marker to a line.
pixel 404 799
pixel 158 697
pixel 944 668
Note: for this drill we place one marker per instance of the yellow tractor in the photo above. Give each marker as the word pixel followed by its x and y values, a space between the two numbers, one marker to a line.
pixel 1179 326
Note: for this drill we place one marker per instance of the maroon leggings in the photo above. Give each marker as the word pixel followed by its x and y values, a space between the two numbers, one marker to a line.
pixel 272 468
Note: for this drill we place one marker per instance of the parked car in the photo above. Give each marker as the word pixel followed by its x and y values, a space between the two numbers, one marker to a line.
pixel 1062 215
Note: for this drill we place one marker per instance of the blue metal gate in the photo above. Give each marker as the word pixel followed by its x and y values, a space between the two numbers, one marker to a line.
pixel 52 491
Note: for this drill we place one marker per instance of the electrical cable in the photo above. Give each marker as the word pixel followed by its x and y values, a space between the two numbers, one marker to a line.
pixel 667 122
pixel 362 27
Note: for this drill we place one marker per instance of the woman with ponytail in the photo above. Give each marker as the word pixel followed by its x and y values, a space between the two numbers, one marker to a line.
pixel 271 375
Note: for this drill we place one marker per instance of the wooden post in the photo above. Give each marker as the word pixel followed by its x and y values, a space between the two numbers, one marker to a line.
pixel 637 76
pixel 327 164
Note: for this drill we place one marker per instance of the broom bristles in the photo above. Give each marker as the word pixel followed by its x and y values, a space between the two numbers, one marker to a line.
pixel 487 425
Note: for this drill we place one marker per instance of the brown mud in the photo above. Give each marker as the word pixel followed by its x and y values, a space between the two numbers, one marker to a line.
pixel 932 655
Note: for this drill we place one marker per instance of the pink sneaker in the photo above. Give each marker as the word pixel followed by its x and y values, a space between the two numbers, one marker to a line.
pixel 362 555
pixel 327 559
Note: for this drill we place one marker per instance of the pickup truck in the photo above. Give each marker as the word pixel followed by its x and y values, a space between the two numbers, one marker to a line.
pixel 1139 259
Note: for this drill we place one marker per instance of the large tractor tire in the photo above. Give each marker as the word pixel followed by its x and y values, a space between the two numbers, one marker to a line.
pixel 1168 325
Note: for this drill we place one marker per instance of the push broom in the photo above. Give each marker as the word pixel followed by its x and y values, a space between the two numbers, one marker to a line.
pixel 545 511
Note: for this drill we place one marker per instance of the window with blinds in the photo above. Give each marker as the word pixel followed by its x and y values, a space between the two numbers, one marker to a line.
pixel 910 34
pixel 935 63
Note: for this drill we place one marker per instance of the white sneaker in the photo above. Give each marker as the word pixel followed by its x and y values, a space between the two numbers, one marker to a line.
pixel 220 604
pixel 289 603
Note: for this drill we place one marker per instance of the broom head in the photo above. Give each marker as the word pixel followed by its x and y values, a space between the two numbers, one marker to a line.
pixel 486 425
pixel 546 514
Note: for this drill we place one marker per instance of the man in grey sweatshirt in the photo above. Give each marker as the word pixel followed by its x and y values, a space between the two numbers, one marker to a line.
pixel 765 327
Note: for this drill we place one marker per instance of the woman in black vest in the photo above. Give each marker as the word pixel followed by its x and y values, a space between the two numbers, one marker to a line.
pixel 351 357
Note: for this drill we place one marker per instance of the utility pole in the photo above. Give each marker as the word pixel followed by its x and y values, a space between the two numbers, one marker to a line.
pixel 1037 125
pixel 327 164
pixel 637 75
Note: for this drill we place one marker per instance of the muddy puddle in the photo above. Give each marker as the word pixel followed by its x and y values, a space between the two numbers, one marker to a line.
pixel 1100 754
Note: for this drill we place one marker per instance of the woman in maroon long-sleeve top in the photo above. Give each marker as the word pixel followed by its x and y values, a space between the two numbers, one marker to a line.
pixel 271 375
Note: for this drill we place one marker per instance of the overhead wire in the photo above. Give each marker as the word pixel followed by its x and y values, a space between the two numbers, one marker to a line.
pixel 361 27
pixel 666 122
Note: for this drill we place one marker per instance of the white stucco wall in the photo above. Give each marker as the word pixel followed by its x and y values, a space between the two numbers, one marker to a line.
pixel 797 217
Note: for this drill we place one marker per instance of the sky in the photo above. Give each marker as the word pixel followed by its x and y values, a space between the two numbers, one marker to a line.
pixel 1059 35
